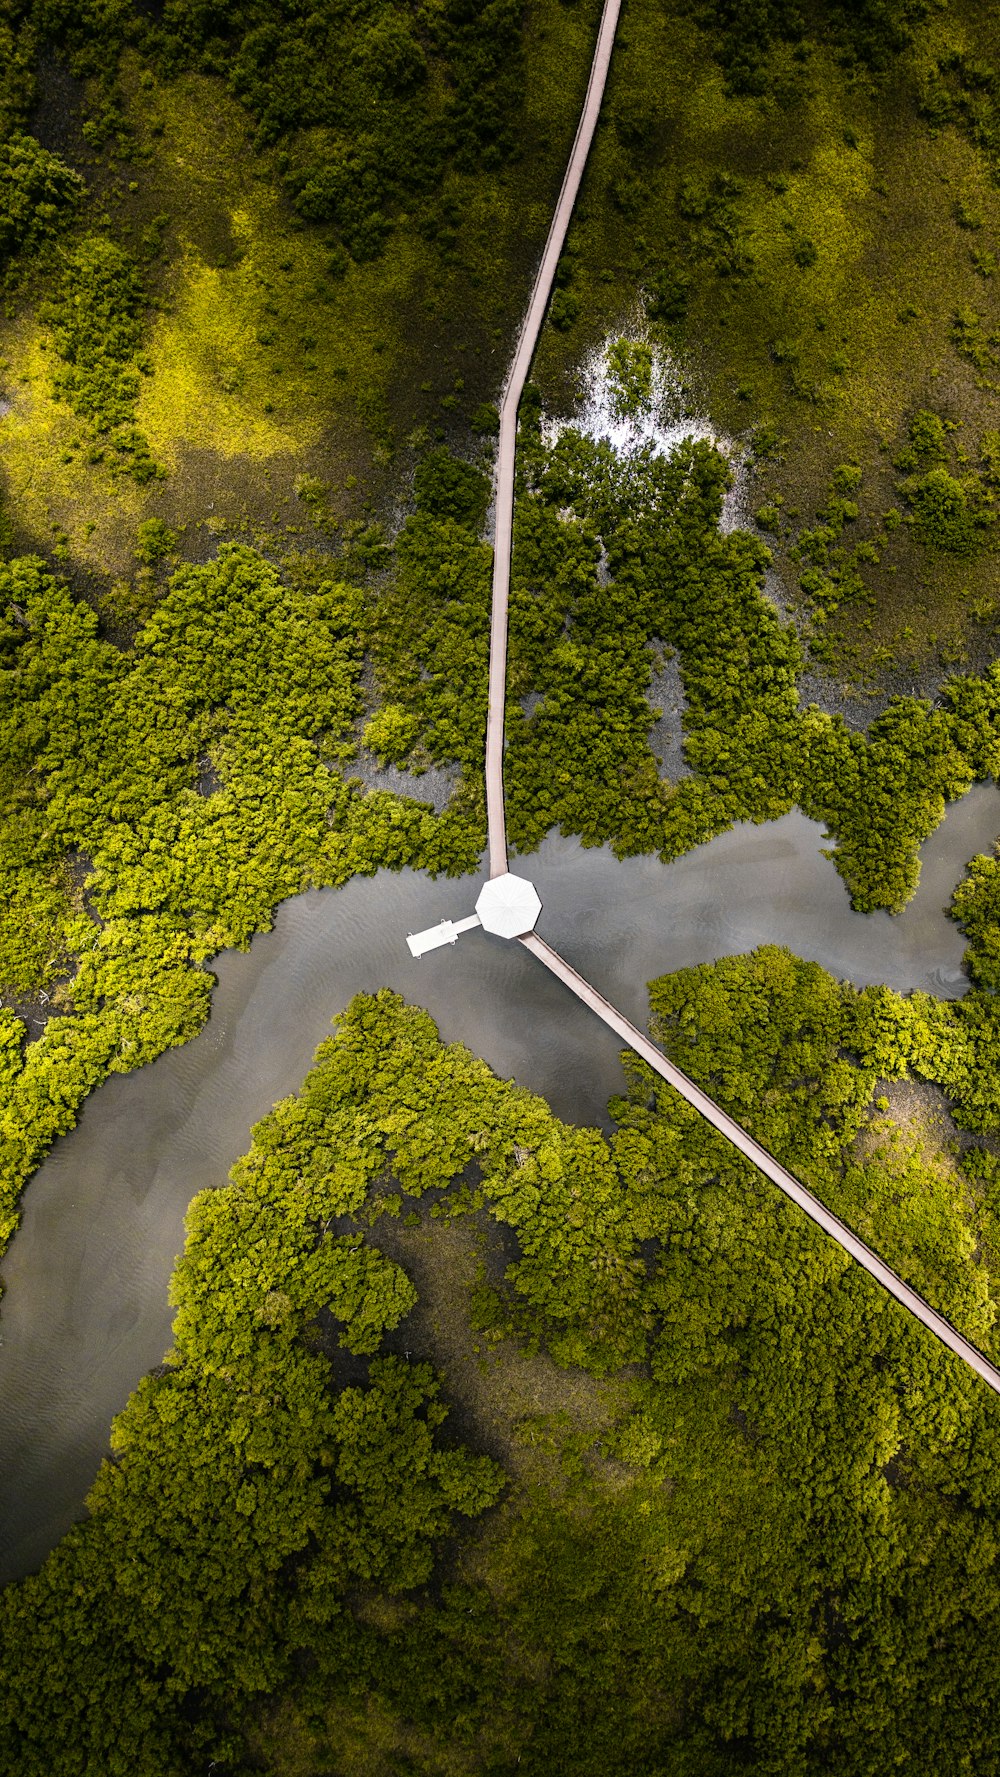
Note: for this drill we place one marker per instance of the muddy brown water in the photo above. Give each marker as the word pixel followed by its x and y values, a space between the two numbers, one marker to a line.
pixel 85 1315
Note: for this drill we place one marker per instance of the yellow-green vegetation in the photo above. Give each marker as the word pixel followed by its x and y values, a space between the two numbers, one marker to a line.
pixel 279 346
pixel 735 1510
pixel 612 557
pixel 764 1543
pixel 805 203
pixel 96 330
pixel 157 803
pixel 53 493
pixel 805 198
pixel 258 352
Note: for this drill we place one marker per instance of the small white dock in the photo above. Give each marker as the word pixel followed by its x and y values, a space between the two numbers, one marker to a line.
pixel 446 933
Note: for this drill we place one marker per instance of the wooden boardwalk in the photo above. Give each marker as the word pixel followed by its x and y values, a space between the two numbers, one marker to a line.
pixel 531 326
pixel 765 1162
pixel 635 1039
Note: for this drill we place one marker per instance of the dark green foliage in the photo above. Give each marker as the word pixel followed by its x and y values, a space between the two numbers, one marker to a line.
pixel 963 89
pixel 946 513
pixel 485 420
pixel 746 33
pixel 882 794
pixel 564 309
pixel 345 189
pixel 928 440
pixel 91 32
pixel 37 193
pixel 99 766
pixel 581 646
pixel 18 52
pixel 96 319
pixel 776 1556
pixel 822 1046
pixel 975 341
pixel 249 1489
pixel 709 207
pixel 630 366
pixel 976 905
pixel 372 106
pixel 582 757
pixel 667 296
pixel 950 513
pixel 431 632
pixel 449 489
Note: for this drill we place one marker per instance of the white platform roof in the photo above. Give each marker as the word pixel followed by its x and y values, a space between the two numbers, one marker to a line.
pixel 508 906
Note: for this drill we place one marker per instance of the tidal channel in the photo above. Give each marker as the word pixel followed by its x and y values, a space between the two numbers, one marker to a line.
pixel 85 1314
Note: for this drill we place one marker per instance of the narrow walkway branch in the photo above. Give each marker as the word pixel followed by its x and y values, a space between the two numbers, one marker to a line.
pixel 531 326
pixel 713 1113
pixel 765 1162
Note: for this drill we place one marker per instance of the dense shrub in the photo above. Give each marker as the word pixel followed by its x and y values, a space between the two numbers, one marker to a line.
pixel 97 321
pixel 946 513
pixel 373 106
pixel 37 194
pixel 447 488
pixel 613 557
pixel 100 755
pixel 250 1490
pixel 866 33
pixel 260 1567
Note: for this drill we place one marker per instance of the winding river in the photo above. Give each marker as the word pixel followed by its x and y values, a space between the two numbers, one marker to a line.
pixel 86 1314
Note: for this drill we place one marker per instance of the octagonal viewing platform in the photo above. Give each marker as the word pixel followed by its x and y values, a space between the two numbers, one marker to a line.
pixel 507 906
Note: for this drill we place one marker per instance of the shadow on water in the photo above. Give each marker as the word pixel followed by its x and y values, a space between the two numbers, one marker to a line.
pixel 86 1315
